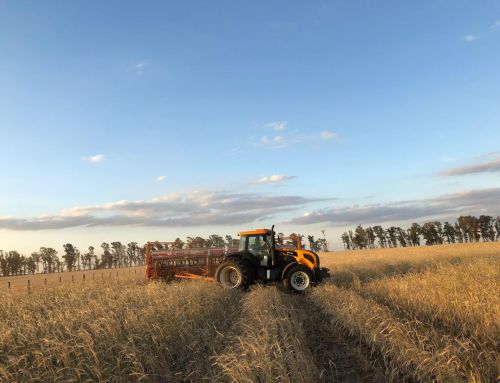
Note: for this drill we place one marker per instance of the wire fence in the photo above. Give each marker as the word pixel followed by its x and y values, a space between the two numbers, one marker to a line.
pixel 28 283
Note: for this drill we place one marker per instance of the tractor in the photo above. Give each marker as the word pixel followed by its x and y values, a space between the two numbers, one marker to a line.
pixel 260 259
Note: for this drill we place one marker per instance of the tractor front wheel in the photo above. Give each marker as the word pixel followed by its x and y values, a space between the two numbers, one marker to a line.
pixel 298 279
pixel 234 274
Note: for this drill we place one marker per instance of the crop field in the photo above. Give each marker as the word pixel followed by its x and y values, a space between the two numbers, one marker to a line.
pixel 412 314
pixel 21 283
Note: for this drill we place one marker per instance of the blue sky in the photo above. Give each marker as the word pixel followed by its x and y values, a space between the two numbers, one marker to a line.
pixel 310 115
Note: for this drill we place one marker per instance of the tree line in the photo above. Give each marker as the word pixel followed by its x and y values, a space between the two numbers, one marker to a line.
pixel 464 229
pixel 47 260
pixel 215 240
pixel 113 255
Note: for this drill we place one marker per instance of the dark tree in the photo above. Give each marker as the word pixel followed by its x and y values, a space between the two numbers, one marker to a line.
pixel 449 232
pixel 346 241
pixel 414 234
pixel 391 236
pixel 486 228
pixel 380 233
pixel 370 234
pixel 360 238
pixel 402 237
pixel 107 257
pixel 69 256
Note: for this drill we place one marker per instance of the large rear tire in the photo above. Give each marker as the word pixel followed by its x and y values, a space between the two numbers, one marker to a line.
pixel 298 279
pixel 234 274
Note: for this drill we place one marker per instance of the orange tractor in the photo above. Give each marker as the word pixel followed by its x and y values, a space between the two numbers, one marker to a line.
pixel 259 258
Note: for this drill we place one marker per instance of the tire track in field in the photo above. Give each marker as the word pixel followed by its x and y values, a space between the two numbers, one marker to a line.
pixel 338 357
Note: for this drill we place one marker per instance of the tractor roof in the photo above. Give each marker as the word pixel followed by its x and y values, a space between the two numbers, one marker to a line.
pixel 254 232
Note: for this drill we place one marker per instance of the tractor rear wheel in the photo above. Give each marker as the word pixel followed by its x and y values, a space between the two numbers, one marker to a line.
pixel 234 273
pixel 298 279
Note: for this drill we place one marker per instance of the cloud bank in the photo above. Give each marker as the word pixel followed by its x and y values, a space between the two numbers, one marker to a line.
pixel 484 201
pixel 203 208
pixel 485 167
pixel 172 210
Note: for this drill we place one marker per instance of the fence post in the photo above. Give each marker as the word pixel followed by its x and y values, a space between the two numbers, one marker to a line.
pixel 45 281
pixel 83 278
pixel 60 280
pixel 117 273
pixel 9 284
pixel 29 285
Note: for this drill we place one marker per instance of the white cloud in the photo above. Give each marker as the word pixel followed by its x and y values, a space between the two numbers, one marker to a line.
pixel 140 66
pixel 277 125
pixel 327 135
pixel 161 178
pixel 95 159
pixel 275 178
pixel 281 141
pixel 470 38
pixel 189 209
pixel 275 142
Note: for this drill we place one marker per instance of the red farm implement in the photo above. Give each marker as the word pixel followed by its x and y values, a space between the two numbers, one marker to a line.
pixel 166 262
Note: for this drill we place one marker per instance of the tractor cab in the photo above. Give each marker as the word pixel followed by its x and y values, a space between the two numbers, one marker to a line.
pixel 257 242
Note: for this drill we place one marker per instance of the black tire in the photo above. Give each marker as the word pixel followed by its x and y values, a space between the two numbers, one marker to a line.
pixel 235 273
pixel 298 279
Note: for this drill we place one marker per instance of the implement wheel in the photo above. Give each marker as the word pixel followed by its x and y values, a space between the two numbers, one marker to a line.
pixel 234 273
pixel 298 279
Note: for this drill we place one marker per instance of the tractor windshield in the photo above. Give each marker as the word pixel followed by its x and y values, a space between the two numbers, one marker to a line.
pixel 258 245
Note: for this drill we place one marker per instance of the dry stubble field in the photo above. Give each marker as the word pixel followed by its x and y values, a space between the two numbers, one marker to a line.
pixel 423 314
pixel 20 283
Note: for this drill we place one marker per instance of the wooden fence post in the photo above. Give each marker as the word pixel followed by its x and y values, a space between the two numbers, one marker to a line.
pixel 29 285
pixel 9 284
pixel 45 282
